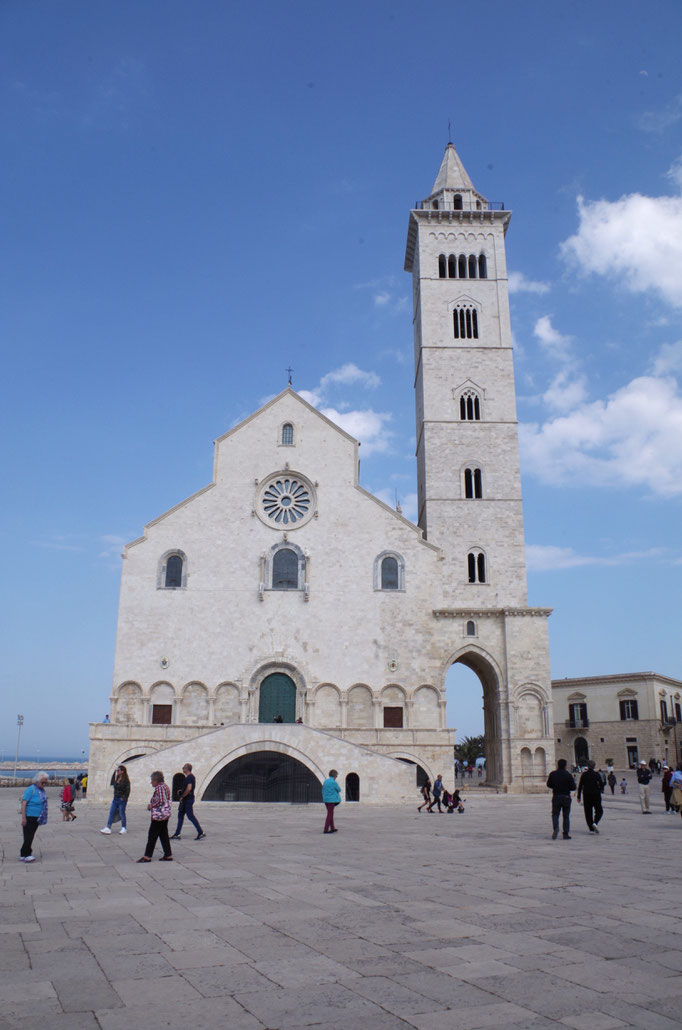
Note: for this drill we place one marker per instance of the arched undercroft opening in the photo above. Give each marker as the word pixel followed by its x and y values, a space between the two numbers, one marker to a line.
pixel 265 776
pixel 581 751
pixel 471 680
pixel 421 773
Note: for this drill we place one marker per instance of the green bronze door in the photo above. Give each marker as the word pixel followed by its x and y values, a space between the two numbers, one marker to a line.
pixel 277 698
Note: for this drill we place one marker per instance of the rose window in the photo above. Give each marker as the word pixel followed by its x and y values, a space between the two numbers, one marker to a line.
pixel 286 500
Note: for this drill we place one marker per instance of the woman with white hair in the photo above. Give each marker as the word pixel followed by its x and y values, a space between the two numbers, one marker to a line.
pixel 160 808
pixel 33 814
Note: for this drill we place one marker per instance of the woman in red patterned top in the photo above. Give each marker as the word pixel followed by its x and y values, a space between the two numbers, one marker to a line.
pixel 160 808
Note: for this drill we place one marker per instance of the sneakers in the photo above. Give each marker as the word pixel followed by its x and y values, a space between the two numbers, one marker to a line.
pixel 567 836
pixel 105 830
pixel 176 836
pixel 123 830
pixel 594 828
pixel 29 858
pixel 200 836
pixel 555 834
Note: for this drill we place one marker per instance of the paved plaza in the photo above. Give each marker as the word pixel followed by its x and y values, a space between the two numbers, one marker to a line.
pixel 399 920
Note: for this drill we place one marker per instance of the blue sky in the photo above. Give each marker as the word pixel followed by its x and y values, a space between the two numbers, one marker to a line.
pixel 166 167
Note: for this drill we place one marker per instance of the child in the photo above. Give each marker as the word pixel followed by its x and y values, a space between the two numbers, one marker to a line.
pixel 67 803
pixel 623 786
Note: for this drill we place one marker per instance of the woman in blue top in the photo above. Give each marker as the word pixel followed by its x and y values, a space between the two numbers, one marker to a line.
pixel 33 814
pixel 331 795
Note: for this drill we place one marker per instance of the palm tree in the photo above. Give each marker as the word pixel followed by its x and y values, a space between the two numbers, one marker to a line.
pixel 470 749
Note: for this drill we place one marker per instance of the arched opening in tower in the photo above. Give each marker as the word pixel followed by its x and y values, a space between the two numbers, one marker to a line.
pixel 473 709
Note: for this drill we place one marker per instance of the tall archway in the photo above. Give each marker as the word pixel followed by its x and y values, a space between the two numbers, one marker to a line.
pixel 277 698
pixel 264 776
pixel 488 720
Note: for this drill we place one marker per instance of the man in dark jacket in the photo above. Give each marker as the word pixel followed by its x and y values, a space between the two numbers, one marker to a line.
pixel 590 787
pixel 644 779
pixel 561 783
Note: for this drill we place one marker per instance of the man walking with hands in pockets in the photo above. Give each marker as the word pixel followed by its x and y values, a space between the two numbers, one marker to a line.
pixel 561 783
pixel 186 806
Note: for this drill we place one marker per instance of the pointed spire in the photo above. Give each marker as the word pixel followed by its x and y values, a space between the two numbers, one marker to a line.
pixel 452 174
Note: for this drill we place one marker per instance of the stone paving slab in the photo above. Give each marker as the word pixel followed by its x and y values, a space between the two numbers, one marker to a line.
pixel 395 923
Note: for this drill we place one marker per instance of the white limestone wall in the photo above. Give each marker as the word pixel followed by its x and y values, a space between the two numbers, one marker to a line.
pixel 383 780
pixel 190 644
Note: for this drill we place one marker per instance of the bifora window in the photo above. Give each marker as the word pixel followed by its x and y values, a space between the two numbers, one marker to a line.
pixel 473 483
pixel 476 566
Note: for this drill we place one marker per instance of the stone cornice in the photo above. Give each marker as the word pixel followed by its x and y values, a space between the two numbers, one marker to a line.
pixel 479 613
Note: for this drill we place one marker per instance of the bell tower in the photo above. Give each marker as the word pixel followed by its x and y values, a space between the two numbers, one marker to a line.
pixel 468 478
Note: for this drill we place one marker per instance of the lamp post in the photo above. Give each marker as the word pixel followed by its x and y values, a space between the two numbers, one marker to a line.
pixel 20 723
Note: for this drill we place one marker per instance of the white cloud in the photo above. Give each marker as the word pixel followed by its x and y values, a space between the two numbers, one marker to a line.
pixel 350 373
pixel 634 438
pixel 668 359
pixel 552 341
pixel 665 118
pixel 518 283
pixel 387 292
pixel 636 240
pixel 565 392
pixel 548 558
pixel 368 426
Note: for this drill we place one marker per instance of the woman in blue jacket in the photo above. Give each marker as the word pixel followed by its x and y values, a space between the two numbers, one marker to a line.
pixel 331 795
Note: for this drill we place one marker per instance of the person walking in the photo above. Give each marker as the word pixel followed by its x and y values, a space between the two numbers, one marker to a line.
pixel 591 787
pixel 67 802
pixel 676 787
pixel 186 805
pixel 644 779
pixel 437 791
pixel 612 781
pixel 33 814
pixel 561 783
pixel 331 795
pixel 121 784
pixel 425 793
pixel 160 808
pixel 666 789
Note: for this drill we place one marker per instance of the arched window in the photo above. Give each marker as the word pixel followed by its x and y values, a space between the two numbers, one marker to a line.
pixel 476 566
pixel 457 201
pixel 469 406
pixel 452 267
pixel 462 263
pixel 473 486
pixel 472 266
pixel 287 434
pixel 471 628
pixel 442 268
pixel 482 267
pixel 465 322
pixel 174 571
pixel 285 570
pixel 389 571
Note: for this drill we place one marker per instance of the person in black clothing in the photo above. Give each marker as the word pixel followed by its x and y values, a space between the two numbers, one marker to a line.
pixel 611 779
pixel 186 806
pixel 591 786
pixel 561 783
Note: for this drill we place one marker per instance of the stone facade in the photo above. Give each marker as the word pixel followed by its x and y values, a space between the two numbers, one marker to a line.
pixel 285 583
pixel 627 718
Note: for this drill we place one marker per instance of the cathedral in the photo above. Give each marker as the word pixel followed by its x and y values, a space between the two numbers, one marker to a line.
pixel 284 621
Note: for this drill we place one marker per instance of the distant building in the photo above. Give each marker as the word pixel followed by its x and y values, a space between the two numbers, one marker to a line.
pixel 283 621
pixel 629 718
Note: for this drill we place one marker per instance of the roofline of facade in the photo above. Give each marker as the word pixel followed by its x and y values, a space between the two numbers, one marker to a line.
pixel 619 677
